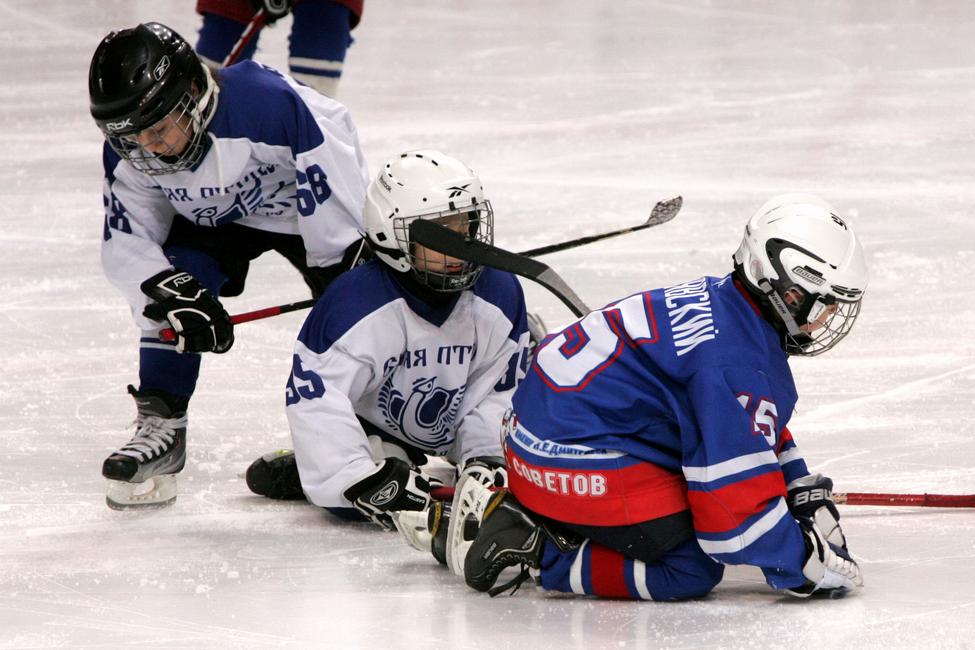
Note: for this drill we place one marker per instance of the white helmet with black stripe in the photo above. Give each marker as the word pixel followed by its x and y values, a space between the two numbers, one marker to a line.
pixel 427 184
pixel 806 267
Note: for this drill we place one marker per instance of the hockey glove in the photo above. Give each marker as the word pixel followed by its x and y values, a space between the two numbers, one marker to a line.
pixel 393 486
pixel 425 530
pixel 200 321
pixel 490 470
pixel 810 499
pixel 273 9
pixel 829 569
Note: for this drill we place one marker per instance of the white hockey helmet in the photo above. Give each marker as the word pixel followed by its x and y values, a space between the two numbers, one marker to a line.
pixel 807 269
pixel 426 184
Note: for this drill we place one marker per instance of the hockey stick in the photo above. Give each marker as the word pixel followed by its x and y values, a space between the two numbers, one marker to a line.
pixel 255 25
pixel 661 213
pixel 910 500
pixel 843 498
pixel 454 244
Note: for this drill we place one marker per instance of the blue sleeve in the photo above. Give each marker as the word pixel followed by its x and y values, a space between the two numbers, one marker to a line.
pixel 736 486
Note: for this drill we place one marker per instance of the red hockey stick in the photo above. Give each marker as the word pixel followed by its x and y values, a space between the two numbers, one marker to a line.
pixel 910 500
pixel 169 334
pixel 844 498
pixel 255 25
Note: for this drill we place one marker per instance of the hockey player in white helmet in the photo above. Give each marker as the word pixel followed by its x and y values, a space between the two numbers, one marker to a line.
pixel 204 173
pixel 648 446
pixel 409 356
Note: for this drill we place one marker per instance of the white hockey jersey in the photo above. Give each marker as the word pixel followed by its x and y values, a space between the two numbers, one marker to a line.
pixel 281 158
pixel 437 379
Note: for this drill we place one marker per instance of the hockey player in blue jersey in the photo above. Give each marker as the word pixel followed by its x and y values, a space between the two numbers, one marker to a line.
pixel 648 446
pixel 407 356
pixel 202 176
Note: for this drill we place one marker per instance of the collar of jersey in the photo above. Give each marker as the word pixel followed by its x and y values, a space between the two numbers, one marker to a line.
pixel 432 306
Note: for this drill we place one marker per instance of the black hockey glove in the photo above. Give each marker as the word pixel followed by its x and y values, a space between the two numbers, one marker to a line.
pixel 200 321
pixel 810 499
pixel 393 486
pixel 273 9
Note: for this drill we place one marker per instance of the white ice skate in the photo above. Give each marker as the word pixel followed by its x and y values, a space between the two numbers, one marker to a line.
pixel 142 474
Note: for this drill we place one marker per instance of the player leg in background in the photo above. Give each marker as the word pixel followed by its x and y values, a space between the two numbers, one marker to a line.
pixel 320 37
pixel 222 27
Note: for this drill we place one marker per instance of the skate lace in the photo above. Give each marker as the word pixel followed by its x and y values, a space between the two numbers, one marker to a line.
pixel 512 584
pixel 154 436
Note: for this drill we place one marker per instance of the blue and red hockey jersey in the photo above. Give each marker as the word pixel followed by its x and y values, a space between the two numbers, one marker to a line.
pixel 670 399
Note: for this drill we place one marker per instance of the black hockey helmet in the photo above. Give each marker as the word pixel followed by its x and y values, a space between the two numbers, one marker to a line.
pixel 137 78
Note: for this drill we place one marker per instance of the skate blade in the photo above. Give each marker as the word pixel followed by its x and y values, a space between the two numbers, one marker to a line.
pixel 470 499
pixel 156 492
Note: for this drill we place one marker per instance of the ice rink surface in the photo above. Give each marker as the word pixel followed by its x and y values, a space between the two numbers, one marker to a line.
pixel 578 116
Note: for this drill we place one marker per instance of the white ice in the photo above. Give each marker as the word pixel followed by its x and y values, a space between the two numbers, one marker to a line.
pixel 578 115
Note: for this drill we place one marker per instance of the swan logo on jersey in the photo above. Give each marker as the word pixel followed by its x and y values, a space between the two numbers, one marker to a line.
pixel 426 415
pixel 243 204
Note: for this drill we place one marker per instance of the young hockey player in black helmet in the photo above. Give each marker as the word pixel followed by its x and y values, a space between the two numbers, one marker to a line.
pixel 408 356
pixel 648 446
pixel 202 176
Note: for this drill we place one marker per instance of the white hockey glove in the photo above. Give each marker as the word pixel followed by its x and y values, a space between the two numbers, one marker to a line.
pixel 810 499
pixel 829 569
pixel 200 321
pixel 490 471
pixel 395 485
pixel 481 476
pixel 425 530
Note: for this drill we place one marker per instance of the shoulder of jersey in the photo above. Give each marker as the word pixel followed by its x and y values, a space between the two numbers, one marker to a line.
pixel 254 103
pixel 503 290
pixel 351 297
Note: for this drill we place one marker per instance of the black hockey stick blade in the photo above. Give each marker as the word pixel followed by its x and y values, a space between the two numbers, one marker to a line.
pixel 437 237
pixel 661 213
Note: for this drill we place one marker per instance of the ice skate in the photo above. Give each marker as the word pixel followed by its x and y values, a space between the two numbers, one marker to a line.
pixel 143 472
pixel 275 476
pixel 507 536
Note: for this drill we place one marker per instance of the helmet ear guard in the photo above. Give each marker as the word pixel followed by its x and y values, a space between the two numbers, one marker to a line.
pixel 806 268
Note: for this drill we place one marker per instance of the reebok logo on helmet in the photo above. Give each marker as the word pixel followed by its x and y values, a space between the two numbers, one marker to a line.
pixel 160 68
pixel 118 126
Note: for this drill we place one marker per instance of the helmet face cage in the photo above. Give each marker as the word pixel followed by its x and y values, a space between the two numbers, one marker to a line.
pixel 818 320
pixel 823 334
pixel 475 221
pixel 189 117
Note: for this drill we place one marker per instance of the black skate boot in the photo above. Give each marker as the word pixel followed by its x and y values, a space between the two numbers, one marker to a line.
pixel 142 473
pixel 507 536
pixel 275 476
